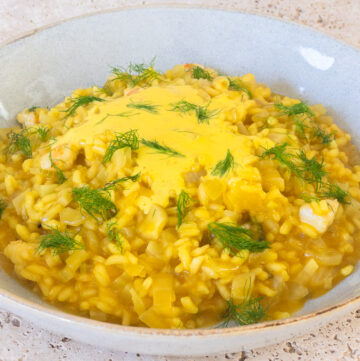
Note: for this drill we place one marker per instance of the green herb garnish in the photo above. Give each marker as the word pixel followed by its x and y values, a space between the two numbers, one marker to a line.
pixel 106 90
pixel 19 142
pixel 183 203
pixel 248 312
pixel 321 134
pixel 203 114
pixel 112 185
pixel 235 238
pixel 200 73
pixel 328 190
pixel 183 106
pixel 80 101
pixel 32 109
pixel 135 74
pixel 60 175
pixel 96 202
pixel 184 131
pixel 309 170
pixel 163 149
pixel 60 242
pixel 279 153
pixel 123 115
pixel 122 140
pixel 3 205
pixel 266 124
pixel 331 190
pixel 300 128
pixel 151 108
pixel 114 235
pixel 224 166
pixel 295 110
pixel 52 141
pixel 43 133
pixel 238 85
pixel 309 198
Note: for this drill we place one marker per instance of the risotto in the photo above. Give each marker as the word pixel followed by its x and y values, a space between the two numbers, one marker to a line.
pixel 179 200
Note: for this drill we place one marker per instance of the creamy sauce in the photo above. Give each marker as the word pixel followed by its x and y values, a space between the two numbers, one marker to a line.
pixel 203 145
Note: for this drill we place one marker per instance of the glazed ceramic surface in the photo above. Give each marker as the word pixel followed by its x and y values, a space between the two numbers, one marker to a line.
pixel 44 68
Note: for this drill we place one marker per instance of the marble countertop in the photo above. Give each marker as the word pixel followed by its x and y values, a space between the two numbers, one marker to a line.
pixel 23 341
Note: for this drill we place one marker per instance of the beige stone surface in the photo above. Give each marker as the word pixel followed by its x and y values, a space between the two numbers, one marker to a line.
pixel 22 341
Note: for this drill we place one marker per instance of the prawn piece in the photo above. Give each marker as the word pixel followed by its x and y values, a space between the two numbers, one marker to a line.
pixel 320 222
pixel 27 118
pixel 131 91
pixel 63 156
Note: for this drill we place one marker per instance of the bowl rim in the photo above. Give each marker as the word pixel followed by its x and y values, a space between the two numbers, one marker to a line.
pixel 7 297
pixel 175 6
pixel 63 316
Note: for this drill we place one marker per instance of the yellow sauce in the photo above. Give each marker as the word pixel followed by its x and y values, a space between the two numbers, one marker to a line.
pixel 201 144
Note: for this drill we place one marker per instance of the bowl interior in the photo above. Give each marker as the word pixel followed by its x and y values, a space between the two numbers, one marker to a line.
pixel 46 67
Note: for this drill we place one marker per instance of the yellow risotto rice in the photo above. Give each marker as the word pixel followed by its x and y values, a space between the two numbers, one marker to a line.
pixel 219 198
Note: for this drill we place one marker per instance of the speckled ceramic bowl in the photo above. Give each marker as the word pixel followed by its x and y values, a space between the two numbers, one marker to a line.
pixel 43 68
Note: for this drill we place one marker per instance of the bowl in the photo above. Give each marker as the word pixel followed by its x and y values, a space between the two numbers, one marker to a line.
pixel 43 68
